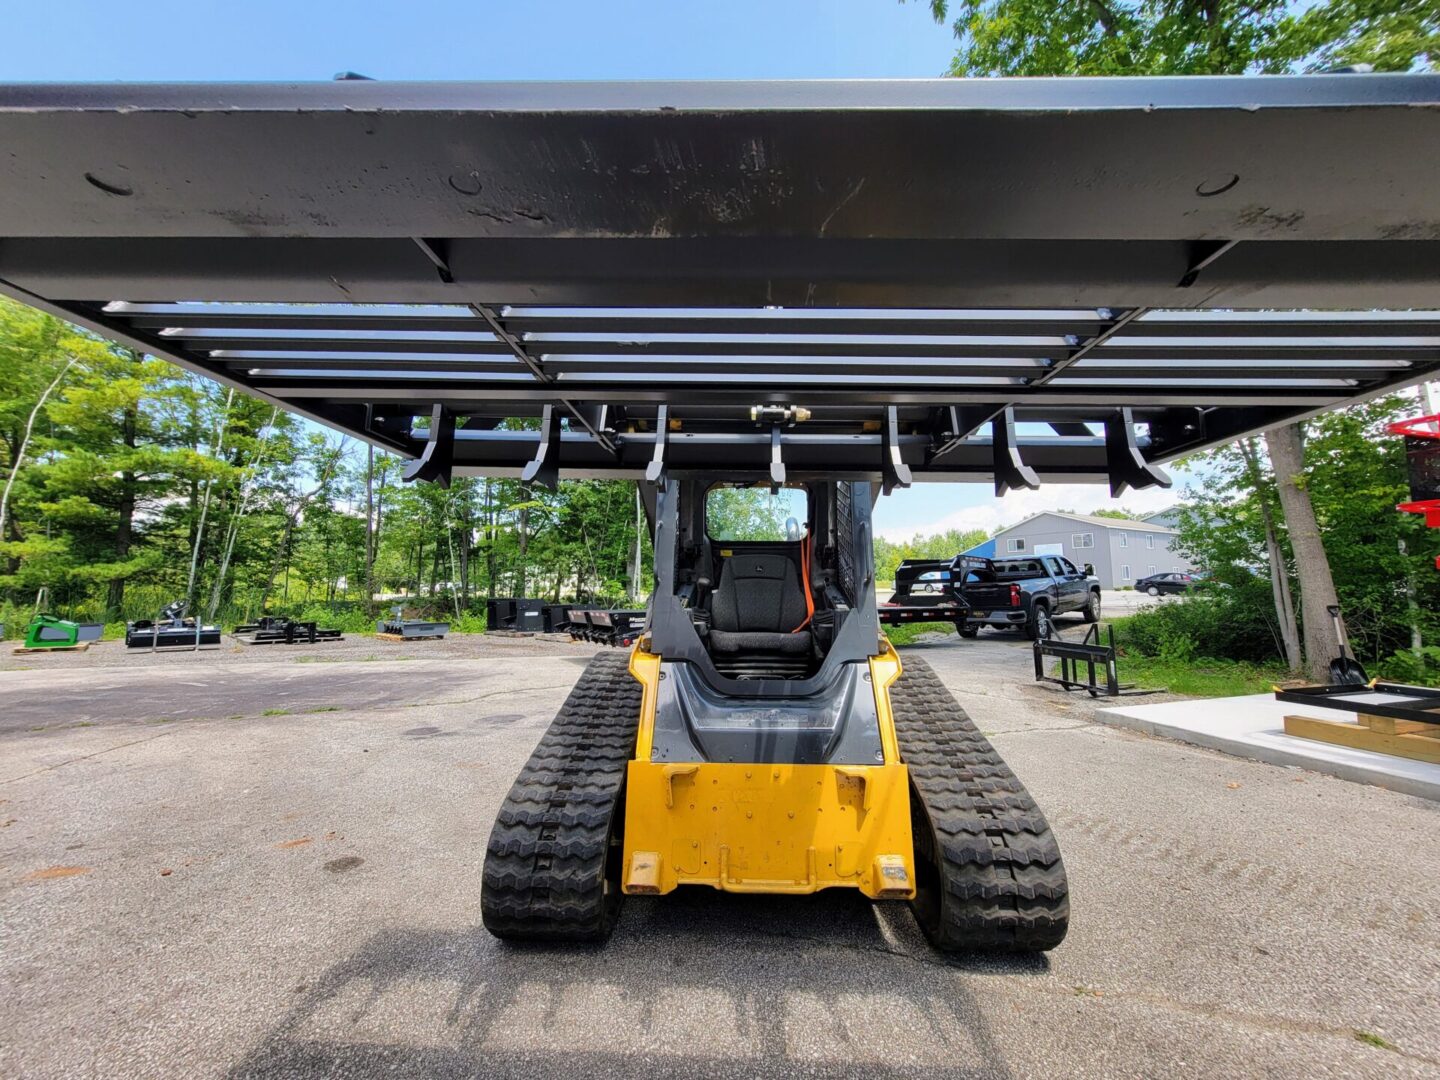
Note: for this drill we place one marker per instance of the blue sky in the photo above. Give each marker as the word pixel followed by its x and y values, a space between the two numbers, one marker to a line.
pixel 164 40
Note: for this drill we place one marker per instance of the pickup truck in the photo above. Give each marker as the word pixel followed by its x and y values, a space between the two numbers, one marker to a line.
pixel 1027 593
pixel 1024 593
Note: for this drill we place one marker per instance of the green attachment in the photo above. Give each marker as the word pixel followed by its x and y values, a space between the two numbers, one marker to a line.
pixel 53 632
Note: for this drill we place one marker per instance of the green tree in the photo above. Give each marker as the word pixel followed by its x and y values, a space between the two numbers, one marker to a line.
pixel 38 356
pixel 752 513
pixel 1209 37
pixel 1382 561
pixel 1188 37
pixel 889 554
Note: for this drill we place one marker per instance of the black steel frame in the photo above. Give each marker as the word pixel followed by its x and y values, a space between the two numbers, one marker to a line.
pixel 1006 280
pixel 1417 703
pixel 1089 652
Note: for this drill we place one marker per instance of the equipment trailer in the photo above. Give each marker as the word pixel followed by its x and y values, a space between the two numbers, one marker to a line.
pixel 826 289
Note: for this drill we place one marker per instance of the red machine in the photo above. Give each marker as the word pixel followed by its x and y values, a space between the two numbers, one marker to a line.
pixel 1422 453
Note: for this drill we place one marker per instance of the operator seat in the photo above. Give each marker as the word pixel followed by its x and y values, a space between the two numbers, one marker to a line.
pixel 757 605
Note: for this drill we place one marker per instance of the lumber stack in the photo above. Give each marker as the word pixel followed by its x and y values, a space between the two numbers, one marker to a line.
pixel 1381 734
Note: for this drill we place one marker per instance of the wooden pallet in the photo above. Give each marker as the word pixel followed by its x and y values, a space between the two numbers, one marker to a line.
pixel 55 648
pixel 1381 734
pixel 402 637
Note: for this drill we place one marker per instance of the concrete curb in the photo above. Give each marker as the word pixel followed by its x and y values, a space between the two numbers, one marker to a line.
pixel 1253 727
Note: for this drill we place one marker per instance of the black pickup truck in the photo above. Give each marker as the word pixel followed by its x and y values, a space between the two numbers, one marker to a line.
pixel 1022 593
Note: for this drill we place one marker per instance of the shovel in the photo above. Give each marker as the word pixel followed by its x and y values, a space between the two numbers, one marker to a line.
pixel 1345 670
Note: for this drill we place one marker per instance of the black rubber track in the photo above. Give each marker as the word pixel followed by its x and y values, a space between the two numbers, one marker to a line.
pixel 989 873
pixel 552 869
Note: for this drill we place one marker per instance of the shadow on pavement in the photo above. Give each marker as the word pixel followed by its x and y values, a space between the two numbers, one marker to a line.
pixel 698 983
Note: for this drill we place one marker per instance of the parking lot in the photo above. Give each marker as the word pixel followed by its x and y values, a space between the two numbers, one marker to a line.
pixel 253 864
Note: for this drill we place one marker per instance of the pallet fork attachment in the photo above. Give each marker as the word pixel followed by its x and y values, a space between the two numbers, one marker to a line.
pixel 538 281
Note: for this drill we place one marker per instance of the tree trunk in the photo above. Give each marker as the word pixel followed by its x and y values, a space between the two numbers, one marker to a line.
pixel 465 564
pixel 489 542
pixel 1417 640
pixel 1279 572
pixel 372 585
pixel 523 545
pixel 7 523
pixel 1312 565
pixel 1280 588
pixel 638 566
pixel 370 527
pixel 124 532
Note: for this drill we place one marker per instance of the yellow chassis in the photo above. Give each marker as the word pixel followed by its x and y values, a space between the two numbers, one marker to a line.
pixel 768 828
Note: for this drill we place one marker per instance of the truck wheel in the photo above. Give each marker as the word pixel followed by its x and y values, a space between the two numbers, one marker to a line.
pixel 967 631
pixel 1038 627
pixel 1092 607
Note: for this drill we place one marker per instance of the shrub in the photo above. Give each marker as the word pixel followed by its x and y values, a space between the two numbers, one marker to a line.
pixel 1228 623
pixel 469 622
pixel 1407 668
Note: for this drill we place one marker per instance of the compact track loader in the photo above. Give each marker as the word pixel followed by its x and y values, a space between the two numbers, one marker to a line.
pixel 826 289
pixel 763 737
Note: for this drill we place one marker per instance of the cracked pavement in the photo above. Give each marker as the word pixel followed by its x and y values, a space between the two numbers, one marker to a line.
pixel 276 873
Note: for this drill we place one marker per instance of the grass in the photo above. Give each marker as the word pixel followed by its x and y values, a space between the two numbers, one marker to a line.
pixel 1200 677
pixel 906 633
pixel 276 712
pixel 1371 1039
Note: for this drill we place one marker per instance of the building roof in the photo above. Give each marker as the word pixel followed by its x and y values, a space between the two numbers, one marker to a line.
pixel 1103 522
pixel 1167 512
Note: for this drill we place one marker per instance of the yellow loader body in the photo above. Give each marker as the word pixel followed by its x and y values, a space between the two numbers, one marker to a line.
pixel 768 828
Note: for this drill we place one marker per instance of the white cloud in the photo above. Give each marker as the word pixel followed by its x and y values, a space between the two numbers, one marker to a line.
pixel 993 513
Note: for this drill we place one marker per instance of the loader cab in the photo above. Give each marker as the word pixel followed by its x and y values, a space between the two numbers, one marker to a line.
pixel 755 599
pixel 764 589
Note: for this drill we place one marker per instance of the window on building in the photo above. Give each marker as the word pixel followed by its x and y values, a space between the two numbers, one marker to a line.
pixel 1082 540
pixel 1124 539
pixel 1125 573
pixel 1015 544
pixel 1150 541
pixel 1152 569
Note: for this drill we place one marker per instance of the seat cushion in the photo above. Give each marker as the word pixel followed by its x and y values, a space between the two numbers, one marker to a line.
pixel 758 592
pixel 734 641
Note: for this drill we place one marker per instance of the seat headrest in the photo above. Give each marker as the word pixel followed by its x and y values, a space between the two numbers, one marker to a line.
pixel 758 566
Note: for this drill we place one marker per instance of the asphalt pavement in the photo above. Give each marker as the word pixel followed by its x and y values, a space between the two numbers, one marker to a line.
pixel 275 872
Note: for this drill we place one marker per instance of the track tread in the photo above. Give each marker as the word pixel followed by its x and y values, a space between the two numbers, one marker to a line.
pixel 545 876
pixel 999 879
